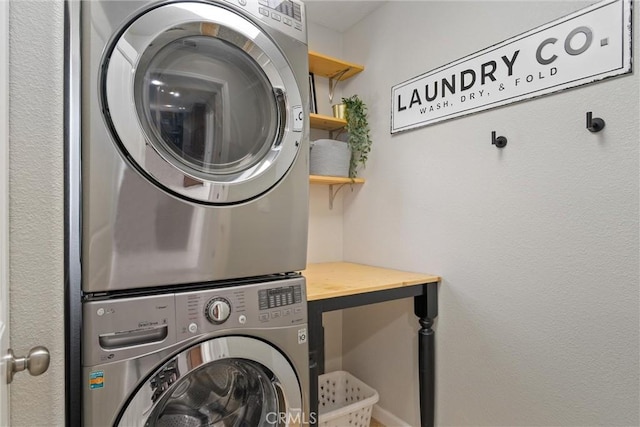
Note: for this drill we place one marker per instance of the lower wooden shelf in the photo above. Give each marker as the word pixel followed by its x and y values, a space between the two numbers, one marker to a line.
pixel 340 181
pixel 331 180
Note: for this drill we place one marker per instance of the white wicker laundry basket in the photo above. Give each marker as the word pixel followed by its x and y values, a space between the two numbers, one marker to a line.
pixel 344 400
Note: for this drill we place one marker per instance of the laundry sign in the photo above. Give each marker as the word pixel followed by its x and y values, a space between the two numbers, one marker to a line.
pixel 584 47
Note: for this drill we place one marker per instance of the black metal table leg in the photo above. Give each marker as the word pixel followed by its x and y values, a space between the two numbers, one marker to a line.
pixel 426 308
pixel 316 356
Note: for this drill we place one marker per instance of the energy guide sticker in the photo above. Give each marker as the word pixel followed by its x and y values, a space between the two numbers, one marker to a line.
pixel 96 379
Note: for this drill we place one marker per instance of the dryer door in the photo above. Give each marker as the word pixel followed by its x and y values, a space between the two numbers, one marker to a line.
pixel 230 381
pixel 202 102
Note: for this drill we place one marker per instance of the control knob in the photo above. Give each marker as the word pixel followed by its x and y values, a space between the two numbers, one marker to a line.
pixel 218 310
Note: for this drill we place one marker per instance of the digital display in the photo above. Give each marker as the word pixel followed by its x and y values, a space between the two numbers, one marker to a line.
pixel 279 297
pixel 286 7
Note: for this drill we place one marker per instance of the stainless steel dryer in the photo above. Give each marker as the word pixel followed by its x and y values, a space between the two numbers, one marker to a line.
pixel 235 356
pixel 194 136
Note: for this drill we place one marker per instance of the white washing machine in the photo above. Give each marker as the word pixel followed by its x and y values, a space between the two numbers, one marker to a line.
pixel 194 141
pixel 235 356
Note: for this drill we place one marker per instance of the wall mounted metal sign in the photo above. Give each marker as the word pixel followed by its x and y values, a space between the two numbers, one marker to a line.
pixel 587 46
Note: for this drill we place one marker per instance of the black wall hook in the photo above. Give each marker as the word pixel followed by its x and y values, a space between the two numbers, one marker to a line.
pixel 499 142
pixel 594 124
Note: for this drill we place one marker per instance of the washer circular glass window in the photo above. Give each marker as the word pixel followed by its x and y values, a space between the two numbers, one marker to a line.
pixel 227 393
pixel 225 381
pixel 201 100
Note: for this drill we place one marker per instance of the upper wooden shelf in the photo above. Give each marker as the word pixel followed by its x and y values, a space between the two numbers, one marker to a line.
pixel 332 68
pixel 331 180
pixel 319 121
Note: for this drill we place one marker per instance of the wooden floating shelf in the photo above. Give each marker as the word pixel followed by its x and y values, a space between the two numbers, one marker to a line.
pixel 319 121
pixel 332 180
pixel 340 181
pixel 332 68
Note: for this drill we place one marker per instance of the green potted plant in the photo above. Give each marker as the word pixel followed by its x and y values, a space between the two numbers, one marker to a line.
pixel 359 139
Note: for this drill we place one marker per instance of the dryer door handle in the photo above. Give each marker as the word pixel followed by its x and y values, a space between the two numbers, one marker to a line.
pixel 282 115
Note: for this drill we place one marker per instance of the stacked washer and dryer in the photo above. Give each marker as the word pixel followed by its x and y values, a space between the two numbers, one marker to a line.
pixel 194 209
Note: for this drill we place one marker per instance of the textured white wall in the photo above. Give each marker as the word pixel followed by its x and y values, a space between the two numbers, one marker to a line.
pixel 537 243
pixel 325 225
pixel 36 206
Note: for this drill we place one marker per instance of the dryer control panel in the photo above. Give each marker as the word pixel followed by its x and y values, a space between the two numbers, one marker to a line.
pixel 287 16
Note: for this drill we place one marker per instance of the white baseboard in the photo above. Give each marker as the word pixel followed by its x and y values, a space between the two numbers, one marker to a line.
pixel 387 418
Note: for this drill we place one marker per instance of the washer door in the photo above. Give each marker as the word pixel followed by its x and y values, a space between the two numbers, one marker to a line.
pixel 230 381
pixel 202 103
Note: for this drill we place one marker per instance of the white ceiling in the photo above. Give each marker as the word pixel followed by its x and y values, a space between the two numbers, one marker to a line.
pixel 339 15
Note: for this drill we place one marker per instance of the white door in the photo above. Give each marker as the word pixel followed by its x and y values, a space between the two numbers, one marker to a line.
pixel 4 208
pixel 37 361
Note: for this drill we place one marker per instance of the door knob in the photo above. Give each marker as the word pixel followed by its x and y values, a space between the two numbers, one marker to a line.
pixel 36 362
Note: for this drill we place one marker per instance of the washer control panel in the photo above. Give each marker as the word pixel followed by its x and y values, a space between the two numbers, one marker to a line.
pixel 272 304
pixel 281 302
pixel 124 327
pixel 218 310
pixel 120 328
pixel 280 297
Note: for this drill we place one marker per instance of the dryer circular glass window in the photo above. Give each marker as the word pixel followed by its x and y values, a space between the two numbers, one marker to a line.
pixel 207 104
pixel 201 102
